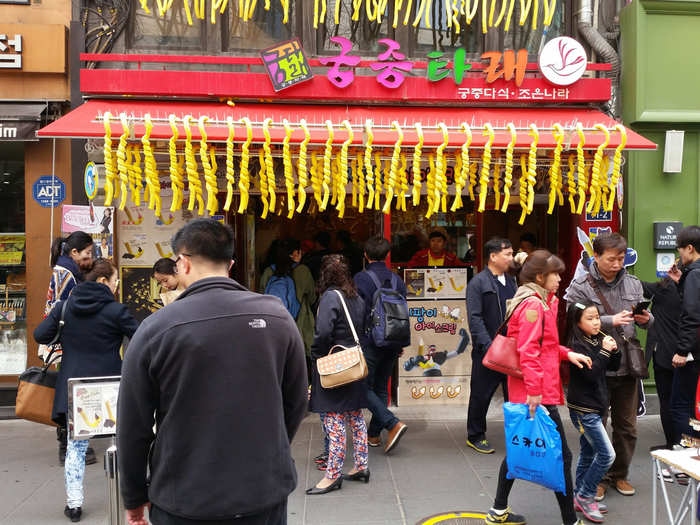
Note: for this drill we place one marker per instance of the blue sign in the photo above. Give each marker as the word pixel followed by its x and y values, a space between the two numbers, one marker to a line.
pixel 90 180
pixel 49 191
pixel 602 216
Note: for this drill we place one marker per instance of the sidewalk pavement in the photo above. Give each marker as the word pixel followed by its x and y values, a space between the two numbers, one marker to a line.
pixel 431 471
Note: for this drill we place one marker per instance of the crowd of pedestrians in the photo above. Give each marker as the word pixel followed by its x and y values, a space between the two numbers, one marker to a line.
pixel 200 439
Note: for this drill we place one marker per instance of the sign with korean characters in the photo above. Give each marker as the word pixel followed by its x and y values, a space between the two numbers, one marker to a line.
pixel 286 64
pixel 92 406
pixel 11 249
pixel 435 368
pixel 436 283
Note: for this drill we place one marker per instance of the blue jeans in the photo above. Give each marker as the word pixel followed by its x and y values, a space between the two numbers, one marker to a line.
pixel 75 472
pixel 380 365
pixel 597 453
pixel 685 381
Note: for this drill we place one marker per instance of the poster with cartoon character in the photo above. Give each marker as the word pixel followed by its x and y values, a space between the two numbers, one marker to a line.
pixel 434 368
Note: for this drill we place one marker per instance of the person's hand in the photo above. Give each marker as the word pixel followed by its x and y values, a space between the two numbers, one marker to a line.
pixel 675 274
pixel 642 318
pixel 609 343
pixel 136 516
pixel 679 360
pixel 533 402
pixel 622 318
pixel 580 360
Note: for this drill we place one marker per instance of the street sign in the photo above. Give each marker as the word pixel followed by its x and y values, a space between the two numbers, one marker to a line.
pixel 49 191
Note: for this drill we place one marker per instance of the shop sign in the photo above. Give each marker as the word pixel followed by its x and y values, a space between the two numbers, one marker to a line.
pixel 91 180
pixel 665 234
pixel 601 216
pixel 563 61
pixel 11 249
pixel 16 130
pixel 49 191
pixel 10 51
pixel 286 64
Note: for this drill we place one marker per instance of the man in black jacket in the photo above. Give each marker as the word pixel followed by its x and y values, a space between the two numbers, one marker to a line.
pixel 223 371
pixel 487 294
pixel 686 360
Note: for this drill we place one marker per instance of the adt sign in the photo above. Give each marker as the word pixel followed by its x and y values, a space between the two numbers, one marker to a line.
pixel 49 191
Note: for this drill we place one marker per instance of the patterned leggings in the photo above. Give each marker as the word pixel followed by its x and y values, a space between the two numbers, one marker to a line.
pixel 335 422
pixel 75 472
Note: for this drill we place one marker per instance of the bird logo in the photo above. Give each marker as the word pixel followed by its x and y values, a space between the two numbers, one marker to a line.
pixel 563 61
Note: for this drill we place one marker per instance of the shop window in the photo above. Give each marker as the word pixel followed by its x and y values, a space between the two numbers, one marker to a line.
pixel 13 281
pixel 169 33
pixel 364 35
pixel 265 29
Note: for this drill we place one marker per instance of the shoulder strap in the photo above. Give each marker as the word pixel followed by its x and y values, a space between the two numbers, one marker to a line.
pixel 57 337
pixel 505 321
pixel 374 278
pixel 347 316
pixel 604 302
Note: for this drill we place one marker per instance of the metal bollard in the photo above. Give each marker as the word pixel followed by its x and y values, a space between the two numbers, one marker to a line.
pixel 115 510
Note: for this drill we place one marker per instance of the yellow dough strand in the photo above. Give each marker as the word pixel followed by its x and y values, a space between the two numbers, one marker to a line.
pixel 555 173
pixel 617 163
pixel 209 173
pixel 327 166
pixel 571 183
pixel 343 176
pixel 136 177
pixel 177 182
pixel 497 183
pixel 461 175
pixel 395 156
pixel 369 172
pixel 110 168
pixel 430 186
pixel 581 168
pixel 417 152
pixel 230 172
pixel 508 174
pixel 316 176
pixel 244 177
pixel 403 184
pixel 302 172
pixel 440 171
pixel 288 169
pixel 596 175
pixel 193 181
pixel 532 167
pixel 152 178
pixel 269 166
pixel 485 166
pixel 121 161
pixel 262 178
pixel 361 184
pixel 523 188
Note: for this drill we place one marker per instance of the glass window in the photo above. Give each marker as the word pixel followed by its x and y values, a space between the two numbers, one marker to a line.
pixel 265 29
pixel 13 281
pixel 169 33
pixel 362 33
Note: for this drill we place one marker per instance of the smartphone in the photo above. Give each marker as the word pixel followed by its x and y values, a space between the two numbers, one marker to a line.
pixel 640 307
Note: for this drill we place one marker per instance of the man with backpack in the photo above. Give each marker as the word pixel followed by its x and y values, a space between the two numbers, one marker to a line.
pixel 388 332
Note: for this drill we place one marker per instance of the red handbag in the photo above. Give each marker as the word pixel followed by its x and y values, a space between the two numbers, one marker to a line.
pixel 503 356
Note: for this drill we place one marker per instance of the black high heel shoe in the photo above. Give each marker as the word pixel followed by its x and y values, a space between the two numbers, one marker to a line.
pixel 360 475
pixel 330 488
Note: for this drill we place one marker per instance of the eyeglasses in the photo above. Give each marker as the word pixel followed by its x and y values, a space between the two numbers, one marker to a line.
pixel 177 259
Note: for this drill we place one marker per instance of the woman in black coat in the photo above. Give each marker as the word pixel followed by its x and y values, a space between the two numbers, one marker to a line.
pixel 94 327
pixel 338 405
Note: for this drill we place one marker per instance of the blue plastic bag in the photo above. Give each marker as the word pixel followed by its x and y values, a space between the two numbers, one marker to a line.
pixel 533 447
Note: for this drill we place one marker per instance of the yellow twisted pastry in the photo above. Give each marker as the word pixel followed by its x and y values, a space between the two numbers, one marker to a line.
pixel 355 182
pixel 121 162
pixel 532 167
pixel 430 186
pixel 340 206
pixel 369 172
pixel 581 168
pixel 209 174
pixel 596 175
pixel 523 187
pixel 361 183
pixel 416 164
pixel 262 178
pixel 377 179
pixel 288 169
pixel 485 166
pixel 108 159
pixel 508 175
pixel 302 172
pixel 471 13
pixel 194 184
pixel 458 171
pixel 327 166
pixel 132 174
pixel 230 171
pixel 137 177
pixel 176 176
pixel 440 170
pixel 403 181
pixel 149 161
pixel 555 173
pixel 572 184
pixel 395 156
pixel 244 177
pixel 605 184
pixel 269 170
pixel 497 183
pixel 316 179
pixel 423 9
pixel 335 176
pixel 617 163
pixel 462 173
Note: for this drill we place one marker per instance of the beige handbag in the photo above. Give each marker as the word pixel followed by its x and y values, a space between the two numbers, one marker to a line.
pixel 342 365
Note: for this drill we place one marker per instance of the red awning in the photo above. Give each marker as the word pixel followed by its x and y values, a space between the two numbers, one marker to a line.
pixel 86 122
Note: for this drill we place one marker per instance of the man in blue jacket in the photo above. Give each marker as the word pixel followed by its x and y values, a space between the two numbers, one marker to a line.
pixel 487 294
pixel 380 361
pixel 686 360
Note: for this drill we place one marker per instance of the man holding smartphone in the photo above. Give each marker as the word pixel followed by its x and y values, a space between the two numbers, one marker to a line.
pixel 616 293
pixel 685 362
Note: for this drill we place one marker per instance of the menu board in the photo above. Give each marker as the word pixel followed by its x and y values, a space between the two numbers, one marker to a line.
pixel 12 249
pixel 436 283
pixel 92 406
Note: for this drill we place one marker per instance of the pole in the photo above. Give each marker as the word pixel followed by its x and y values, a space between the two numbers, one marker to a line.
pixel 115 510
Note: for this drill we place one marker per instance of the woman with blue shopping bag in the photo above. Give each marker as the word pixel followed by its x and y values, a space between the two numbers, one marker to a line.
pixel 533 323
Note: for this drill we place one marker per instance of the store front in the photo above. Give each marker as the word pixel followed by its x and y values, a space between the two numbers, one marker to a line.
pixel 361 147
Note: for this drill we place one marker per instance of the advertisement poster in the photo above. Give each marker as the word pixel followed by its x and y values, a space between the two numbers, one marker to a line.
pixel 435 368
pixel 436 283
pixel 11 249
pixel 98 221
pixel 139 292
pixel 92 406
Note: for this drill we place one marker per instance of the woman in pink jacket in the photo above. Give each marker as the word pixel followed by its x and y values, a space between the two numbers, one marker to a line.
pixel 533 323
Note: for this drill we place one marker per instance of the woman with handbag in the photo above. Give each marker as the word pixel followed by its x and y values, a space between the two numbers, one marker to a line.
pixel 94 327
pixel 341 315
pixel 533 324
